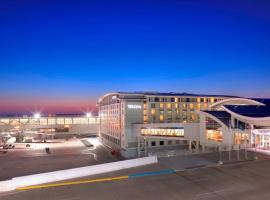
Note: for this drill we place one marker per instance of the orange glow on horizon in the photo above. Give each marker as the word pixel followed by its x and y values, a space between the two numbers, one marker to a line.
pixel 53 106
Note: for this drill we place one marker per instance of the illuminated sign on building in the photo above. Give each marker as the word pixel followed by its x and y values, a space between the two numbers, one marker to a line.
pixel 132 106
pixel 163 131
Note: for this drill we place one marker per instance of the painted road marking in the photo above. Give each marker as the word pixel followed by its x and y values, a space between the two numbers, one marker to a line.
pixel 161 172
pixel 130 176
pixel 72 183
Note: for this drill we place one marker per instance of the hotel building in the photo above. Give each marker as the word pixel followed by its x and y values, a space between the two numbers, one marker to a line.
pixel 135 123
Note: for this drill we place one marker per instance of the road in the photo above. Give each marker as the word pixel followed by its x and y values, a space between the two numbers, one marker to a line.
pixel 242 181
pixel 20 162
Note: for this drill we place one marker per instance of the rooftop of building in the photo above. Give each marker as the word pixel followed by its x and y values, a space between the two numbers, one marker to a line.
pixel 250 110
pixel 265 101
pixel 154 93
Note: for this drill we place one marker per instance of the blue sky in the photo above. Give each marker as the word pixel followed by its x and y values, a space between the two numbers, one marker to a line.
pixel 62 55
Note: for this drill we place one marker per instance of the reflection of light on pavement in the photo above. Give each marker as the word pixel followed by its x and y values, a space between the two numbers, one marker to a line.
pixel 93 141
pixel 37 146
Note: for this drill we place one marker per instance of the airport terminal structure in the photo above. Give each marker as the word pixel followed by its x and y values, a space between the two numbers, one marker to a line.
pixel 38 127
pixel 137 123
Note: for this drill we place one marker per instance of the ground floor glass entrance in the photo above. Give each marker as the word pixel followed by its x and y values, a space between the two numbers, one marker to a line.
pixel 261 138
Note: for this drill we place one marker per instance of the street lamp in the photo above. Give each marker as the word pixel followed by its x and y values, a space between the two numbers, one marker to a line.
pixel 88 114
pixel 37 115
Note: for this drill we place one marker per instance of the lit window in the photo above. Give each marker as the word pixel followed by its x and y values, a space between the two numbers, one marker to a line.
pixel 161 105
pixel 161 117
pixel 169 106
pixel 215 135
pixel 144 112
pixel 191 106
pixel 51 121
pixel 145 105
pixel 60 120
pixel 163 131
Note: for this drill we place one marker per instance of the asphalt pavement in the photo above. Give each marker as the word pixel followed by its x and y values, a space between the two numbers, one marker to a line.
pixel 241 181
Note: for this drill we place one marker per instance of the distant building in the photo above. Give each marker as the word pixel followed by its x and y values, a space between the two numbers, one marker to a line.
pixel 59 126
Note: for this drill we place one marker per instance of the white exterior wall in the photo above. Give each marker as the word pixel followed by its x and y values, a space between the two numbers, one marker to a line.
pixel 133 114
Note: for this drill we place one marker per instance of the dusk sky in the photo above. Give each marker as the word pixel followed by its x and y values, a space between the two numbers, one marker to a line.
pixel 61 56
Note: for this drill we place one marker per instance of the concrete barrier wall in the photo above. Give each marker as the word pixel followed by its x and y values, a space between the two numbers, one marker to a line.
pixel 61 175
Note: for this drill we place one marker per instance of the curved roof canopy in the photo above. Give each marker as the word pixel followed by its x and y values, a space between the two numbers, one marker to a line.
pixel 250 111
pixel 222 116
pixel 235 101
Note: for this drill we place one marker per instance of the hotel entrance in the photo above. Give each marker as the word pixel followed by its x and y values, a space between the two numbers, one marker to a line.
pixel 261 138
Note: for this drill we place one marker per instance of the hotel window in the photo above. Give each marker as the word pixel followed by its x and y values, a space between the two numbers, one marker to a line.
pixel 191 106
pixel 169 116
pixel 161 143
pixel 198 106
pixel 169 106
pixel 193 117
pixel 153 111
pixel 212 100
pixel 184 106
pixel 145 105
pixel 198 100
pixel 145 118
pixel 175 99
pixel 205 106
pixel 153 105
pixel 161 106
pixel 153 143
pixel 161 118
pixel 144 112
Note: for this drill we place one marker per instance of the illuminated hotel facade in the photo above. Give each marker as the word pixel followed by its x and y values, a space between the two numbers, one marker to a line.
pixel 134 123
